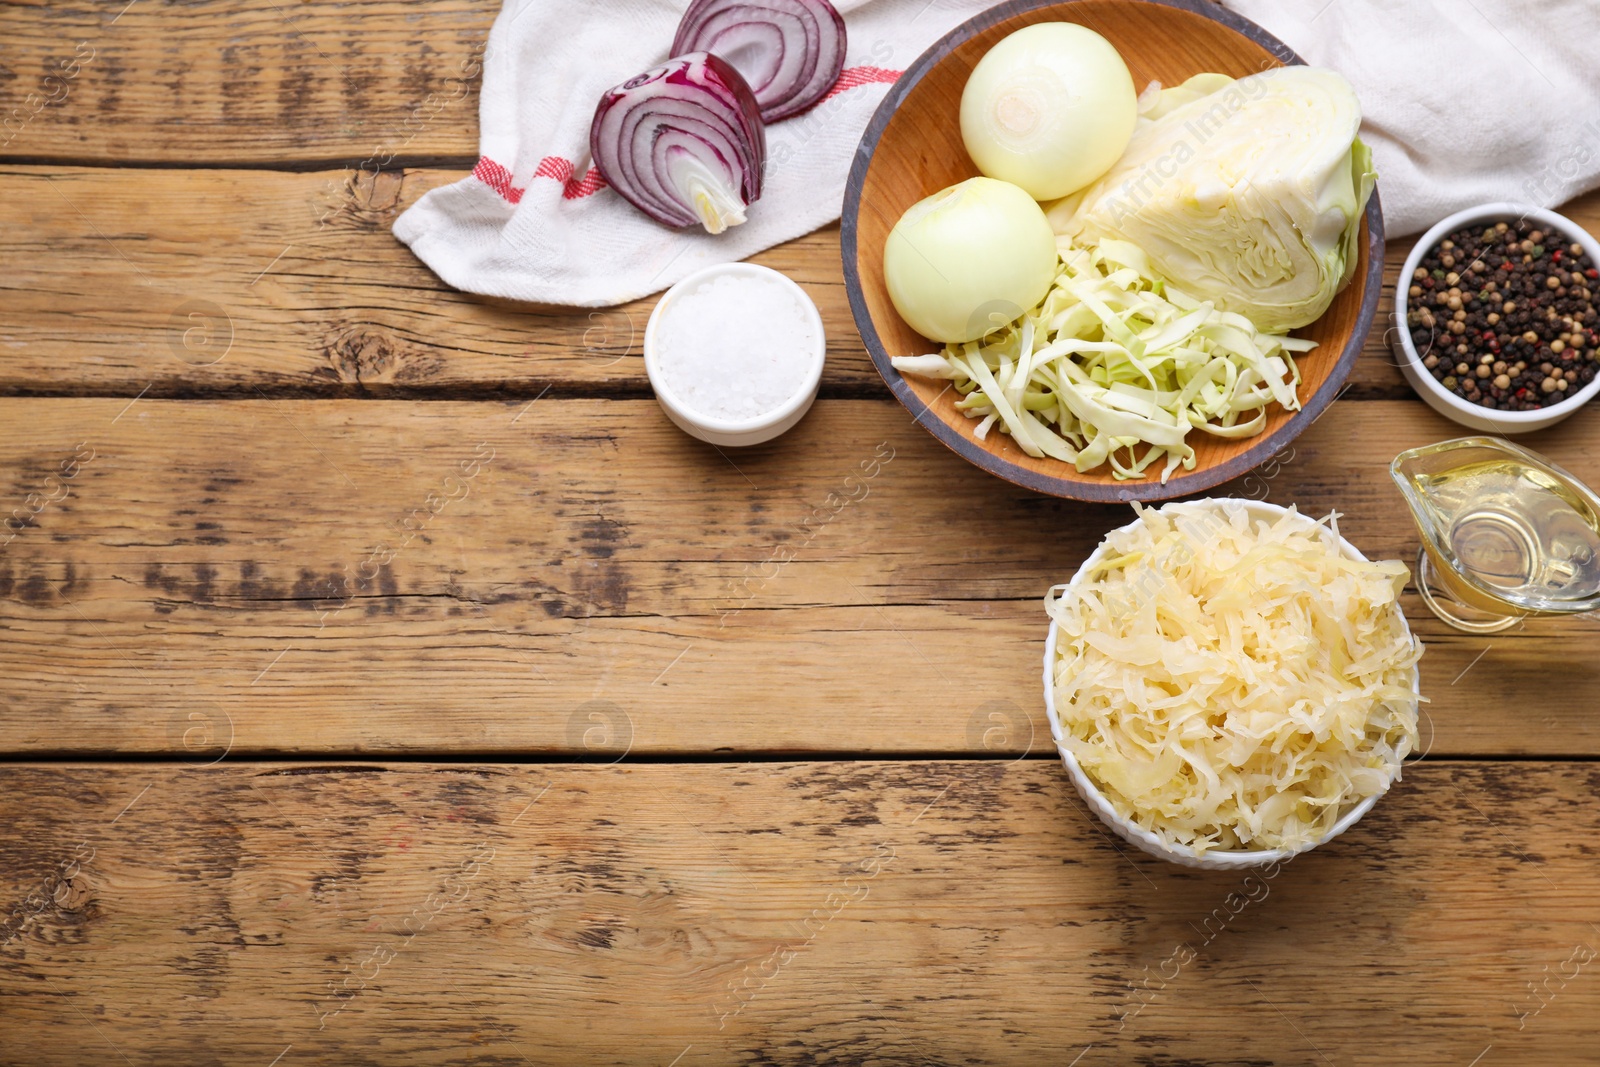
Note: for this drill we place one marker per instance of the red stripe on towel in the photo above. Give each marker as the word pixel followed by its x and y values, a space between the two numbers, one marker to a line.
pixel 497 178
pixel 572 188
pixel 856 77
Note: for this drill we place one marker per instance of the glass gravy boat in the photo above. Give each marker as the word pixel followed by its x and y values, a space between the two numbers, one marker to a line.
pixel 1506 534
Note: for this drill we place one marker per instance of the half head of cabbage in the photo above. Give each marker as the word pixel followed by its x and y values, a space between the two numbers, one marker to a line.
pixel 1248 193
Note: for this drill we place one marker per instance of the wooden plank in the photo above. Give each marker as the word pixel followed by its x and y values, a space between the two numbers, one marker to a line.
pixel 237 283
pixel 897 913
pixel 217 283
pixel 243 81
pixel 272 575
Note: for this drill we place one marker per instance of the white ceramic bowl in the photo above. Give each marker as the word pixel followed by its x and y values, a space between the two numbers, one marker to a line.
pixel 1138 836
pixel 1422 380
pixel 722 431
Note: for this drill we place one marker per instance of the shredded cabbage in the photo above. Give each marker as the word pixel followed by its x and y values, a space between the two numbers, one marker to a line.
pixel 1116 358
pixel 1234 683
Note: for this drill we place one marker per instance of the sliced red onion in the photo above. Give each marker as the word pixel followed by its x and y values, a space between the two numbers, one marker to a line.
pixel 790 51
pixel 683 143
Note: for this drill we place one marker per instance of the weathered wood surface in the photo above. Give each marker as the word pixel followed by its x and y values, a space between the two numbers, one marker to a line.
pixel 350 576
pixel 233 283
pixel 212 283
pixel 204 581
pixel 242 81
pixel 888 913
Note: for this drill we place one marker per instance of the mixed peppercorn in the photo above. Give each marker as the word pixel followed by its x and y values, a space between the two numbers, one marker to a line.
pixel 1504 315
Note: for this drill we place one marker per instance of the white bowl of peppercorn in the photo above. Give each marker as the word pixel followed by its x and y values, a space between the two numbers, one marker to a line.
pixel 1498 318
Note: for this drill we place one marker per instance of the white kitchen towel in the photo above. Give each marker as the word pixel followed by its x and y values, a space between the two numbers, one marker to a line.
pixel 1466 101
pixel 536 222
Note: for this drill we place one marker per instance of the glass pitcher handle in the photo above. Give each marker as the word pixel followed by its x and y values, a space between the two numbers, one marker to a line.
pixel 1451 611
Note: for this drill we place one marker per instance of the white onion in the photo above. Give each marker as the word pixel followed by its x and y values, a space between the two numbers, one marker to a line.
pixel 1050 108
pixel 969 259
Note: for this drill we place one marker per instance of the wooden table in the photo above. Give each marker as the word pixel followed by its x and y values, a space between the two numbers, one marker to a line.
pixel 578 769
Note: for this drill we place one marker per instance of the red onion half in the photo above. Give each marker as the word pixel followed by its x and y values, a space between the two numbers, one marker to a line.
pixel 790 51
pixel 683 142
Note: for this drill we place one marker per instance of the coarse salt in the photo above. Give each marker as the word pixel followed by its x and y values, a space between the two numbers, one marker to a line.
pixel 736 346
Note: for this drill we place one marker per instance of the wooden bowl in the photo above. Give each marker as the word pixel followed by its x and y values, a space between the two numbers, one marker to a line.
pixel 912 149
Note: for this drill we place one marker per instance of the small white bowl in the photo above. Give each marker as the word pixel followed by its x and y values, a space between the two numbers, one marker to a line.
pixel 1422 380
pixel 723 431
pixel 1136 835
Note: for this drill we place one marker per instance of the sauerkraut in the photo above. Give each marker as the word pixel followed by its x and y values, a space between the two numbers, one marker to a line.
pixel 1231 682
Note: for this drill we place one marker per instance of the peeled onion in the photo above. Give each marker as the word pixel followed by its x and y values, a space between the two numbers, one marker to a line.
pixel 1050 108
pixel 969 259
